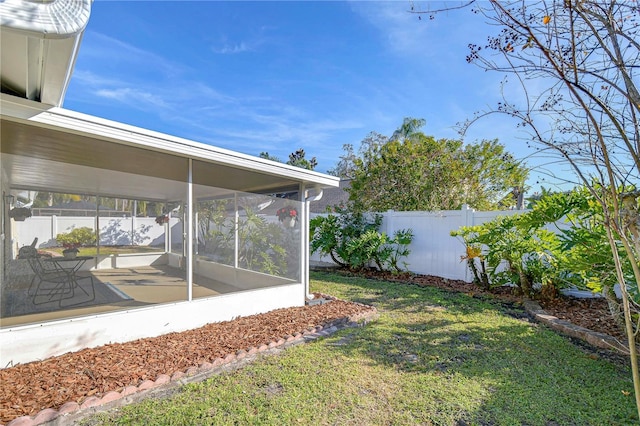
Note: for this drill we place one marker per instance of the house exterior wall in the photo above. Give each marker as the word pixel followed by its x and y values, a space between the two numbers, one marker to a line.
pixel 39 341
pixel 112 155
pixel 239 278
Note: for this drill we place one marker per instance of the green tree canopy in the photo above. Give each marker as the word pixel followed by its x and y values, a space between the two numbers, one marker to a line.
pixel 412 171
pixel 346 166
pixel 297 158
pixel 268 156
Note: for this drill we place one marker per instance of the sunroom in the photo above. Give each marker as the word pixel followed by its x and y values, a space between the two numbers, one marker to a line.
pixel 176 234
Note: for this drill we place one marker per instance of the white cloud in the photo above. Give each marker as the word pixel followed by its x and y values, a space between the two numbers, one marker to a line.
pixel 137 98
pixel 232 48
pixel 401 30
pixel 90 78
pixel 100 47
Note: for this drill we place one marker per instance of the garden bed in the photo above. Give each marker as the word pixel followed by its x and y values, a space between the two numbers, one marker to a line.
pixel 74 377
pixel 591 313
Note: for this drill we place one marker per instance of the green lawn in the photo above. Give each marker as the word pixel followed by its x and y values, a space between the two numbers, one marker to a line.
pixel 432 358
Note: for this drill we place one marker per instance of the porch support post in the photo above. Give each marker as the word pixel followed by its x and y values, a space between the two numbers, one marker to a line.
pixel 236 231
pixel 189 229
pixel 167 236
pixel 306 236
pixel 4 220
pixel 97 231
pixel 304 241
pixel 196 232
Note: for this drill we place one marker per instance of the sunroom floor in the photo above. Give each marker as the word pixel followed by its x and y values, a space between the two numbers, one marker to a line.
pixel 115 289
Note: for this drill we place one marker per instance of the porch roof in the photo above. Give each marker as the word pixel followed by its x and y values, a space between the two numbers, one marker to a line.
pixel 57 150
pixel 48 148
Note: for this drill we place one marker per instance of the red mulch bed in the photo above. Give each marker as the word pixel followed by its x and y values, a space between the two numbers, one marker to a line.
pixel 588 313
pixel 28 388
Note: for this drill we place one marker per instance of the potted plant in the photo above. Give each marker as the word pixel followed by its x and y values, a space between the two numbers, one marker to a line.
pixel 20 213
pixel 70 251
pixel 74 239
pixel 288 215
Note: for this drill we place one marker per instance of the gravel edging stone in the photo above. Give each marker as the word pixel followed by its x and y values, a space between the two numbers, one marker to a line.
pixel 599 340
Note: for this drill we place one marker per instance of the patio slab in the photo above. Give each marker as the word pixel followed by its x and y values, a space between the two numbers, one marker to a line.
pixel 135 287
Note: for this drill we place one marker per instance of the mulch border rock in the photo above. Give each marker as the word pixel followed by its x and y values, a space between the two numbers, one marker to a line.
pixel 600 340
pixel 165 385
pixel 534 310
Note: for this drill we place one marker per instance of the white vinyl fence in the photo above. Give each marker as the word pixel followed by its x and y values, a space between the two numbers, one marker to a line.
pixel 143 231
pixel 433 250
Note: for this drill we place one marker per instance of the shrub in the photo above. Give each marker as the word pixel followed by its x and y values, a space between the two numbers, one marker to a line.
pixel 84 236
pixel 353 241
pixel 515 253
pixel 523 251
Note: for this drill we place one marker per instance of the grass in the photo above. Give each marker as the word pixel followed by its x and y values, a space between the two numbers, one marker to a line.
pixel 432 358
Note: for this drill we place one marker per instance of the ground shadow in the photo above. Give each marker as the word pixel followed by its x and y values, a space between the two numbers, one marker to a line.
pixel 445 336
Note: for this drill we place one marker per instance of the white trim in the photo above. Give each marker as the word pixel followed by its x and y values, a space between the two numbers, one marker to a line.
pixel 306 238
pixel 54 19
pixel 42 40
pixel 188 241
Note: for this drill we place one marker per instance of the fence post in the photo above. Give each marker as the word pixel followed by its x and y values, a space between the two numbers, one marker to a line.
pixel 54 226
pixel 467 220
pixel 133 222
pixel 385 223
pixel 468 214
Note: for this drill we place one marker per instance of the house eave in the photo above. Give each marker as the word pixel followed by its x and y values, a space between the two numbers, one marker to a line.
pixel 31 121
pixel 39 46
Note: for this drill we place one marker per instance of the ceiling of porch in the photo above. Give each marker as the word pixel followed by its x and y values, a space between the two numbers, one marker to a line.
pixel 39 158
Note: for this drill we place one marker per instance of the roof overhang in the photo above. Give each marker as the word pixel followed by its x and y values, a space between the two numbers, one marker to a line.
pixel 45 147
pixel 56 150
pixel 39 42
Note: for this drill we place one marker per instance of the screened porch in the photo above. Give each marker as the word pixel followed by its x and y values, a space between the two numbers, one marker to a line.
pixel 134 251
pixel 174 233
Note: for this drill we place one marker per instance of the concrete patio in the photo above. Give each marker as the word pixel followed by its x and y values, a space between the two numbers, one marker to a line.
pixel 131 288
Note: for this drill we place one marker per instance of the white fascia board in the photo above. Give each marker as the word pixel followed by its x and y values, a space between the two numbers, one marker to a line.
pixel 54 19
pixel 83 124
pixel 53 30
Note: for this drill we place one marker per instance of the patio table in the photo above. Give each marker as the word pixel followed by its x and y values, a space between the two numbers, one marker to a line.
pixel 70 267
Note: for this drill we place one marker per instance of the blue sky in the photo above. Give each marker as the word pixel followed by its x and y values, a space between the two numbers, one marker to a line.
pixel 277 76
